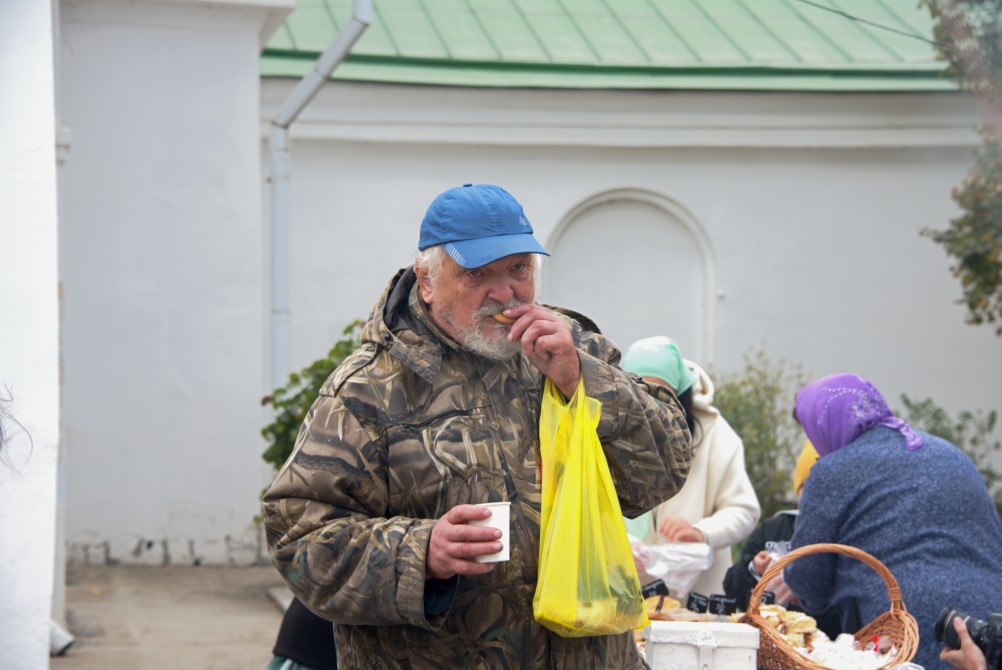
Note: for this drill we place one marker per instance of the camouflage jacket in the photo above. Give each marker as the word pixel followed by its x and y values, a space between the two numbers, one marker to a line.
pixel 406 428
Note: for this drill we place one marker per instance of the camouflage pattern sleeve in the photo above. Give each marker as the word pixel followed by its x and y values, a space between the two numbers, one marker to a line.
pixel 642 429
pixel 325 518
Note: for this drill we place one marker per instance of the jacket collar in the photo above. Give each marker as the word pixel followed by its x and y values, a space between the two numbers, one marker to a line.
pixel 409 337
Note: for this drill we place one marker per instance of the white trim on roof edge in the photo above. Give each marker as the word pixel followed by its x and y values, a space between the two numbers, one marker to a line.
pixel 423 114
pixel 225 15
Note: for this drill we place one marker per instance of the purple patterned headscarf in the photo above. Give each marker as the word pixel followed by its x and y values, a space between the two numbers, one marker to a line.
pixel 837 409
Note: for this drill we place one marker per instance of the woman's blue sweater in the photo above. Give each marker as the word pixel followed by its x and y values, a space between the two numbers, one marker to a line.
pixel 925 514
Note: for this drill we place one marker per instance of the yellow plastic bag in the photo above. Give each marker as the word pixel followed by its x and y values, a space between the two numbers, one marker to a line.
pixel 588 583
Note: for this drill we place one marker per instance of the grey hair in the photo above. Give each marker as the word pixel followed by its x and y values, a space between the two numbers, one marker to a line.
pixel 430 260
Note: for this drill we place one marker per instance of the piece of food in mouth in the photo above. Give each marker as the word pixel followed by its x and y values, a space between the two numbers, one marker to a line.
pixel 501 318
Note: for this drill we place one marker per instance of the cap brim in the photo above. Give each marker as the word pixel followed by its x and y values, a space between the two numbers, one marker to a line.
pixel 485 250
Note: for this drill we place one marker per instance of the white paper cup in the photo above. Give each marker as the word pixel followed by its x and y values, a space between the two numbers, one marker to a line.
pixel 500 518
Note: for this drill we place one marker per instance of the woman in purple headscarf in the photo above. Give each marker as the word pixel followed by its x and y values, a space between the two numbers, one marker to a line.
pixel 914 501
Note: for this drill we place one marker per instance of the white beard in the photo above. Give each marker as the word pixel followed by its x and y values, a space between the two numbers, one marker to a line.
pixel 495 347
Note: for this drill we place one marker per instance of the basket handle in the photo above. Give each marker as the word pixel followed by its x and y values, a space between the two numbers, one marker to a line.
pixel 893 590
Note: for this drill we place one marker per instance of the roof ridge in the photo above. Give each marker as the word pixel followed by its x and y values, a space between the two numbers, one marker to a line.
pixel 660 40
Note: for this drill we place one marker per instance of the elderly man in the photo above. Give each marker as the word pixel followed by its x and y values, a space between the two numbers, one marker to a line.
pixel 436 411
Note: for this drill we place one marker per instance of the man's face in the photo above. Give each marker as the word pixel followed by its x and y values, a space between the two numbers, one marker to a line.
pixel 463 301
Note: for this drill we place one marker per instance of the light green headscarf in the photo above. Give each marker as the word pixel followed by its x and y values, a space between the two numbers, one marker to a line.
pixel 658 357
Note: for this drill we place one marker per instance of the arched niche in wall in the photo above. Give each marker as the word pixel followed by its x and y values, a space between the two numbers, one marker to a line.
pixel 637 263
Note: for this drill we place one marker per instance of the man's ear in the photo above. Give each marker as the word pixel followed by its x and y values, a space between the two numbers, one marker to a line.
pixel 424 283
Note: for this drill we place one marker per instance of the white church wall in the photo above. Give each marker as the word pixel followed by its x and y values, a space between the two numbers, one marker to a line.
pixel 163 317
pixel 811 204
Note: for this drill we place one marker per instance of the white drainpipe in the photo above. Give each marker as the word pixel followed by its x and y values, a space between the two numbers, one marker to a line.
pixel 300 96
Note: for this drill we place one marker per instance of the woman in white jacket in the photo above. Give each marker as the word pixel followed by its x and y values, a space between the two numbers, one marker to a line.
pixel 718 504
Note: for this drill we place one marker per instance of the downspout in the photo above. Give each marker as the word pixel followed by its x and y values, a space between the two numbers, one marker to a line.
pixel 298 99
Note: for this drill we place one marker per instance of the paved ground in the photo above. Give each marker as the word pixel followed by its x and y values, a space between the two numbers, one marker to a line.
pixel 172 618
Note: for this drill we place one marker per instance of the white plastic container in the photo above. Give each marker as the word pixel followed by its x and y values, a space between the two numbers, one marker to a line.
pixel 701 645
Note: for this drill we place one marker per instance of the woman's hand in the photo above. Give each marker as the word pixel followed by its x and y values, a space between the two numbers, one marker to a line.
pixel 676 529
pixel 761 562
pixel 784 596
pixel 776 585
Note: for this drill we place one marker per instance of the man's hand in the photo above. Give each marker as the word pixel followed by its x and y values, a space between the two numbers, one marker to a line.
pixel 548 343
pixel 969 656
pixel 454 543
pixel 676 529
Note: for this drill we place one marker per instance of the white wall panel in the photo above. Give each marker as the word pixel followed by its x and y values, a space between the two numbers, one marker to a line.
pixel 164 330
pixel 29 336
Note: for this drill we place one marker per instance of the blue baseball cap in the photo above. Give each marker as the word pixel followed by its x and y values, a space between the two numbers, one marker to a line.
pixel 477 224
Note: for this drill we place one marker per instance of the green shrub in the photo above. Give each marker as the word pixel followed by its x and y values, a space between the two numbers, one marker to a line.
pixel 292 401
pixel 758 403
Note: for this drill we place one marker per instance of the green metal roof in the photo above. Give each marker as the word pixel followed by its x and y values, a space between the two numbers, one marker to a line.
pixel 822 45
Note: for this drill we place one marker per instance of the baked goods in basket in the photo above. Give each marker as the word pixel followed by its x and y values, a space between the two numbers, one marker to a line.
pixel 890 639
pixel 801 632
pixel 796 627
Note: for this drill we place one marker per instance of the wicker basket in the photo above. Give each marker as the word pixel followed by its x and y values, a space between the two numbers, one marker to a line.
pixel 775 653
